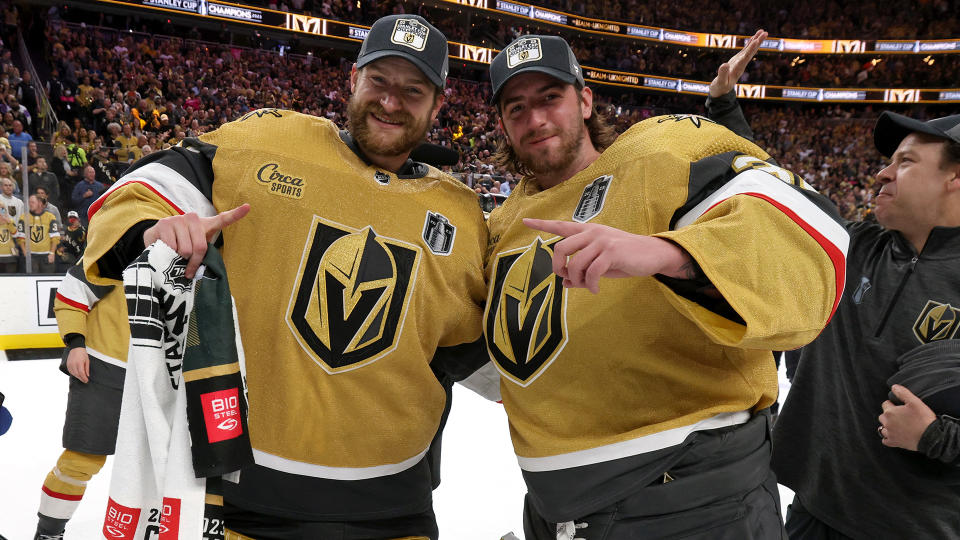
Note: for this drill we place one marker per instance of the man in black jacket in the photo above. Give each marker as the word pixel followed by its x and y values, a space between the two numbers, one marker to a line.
pixel 862 466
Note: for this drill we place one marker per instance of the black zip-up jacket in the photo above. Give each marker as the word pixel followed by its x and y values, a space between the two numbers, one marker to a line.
pixel 826 446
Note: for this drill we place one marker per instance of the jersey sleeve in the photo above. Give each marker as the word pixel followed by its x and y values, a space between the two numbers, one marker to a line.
pixel 75 298
pixel 773 248
pixel 168 183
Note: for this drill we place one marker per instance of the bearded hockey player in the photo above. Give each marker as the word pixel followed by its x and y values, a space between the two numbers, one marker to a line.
pixel 638 406
pixel 337 266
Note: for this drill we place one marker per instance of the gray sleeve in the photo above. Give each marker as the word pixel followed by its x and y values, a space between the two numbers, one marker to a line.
pixel 941 440
pixel 726 111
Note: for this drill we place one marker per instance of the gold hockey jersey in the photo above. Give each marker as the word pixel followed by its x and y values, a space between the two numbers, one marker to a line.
pixel 97 312
pixel 40 233
pixel 589 379
pixel 355 290
pixel 8 243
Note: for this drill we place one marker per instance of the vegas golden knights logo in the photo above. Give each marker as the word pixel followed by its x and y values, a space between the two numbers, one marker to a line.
pixel 4 235
pixel 351 295
pixel 525 322
pixel 936 321
pixel 36 233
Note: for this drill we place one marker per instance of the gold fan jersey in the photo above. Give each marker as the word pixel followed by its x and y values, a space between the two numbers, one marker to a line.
pixel 96 312
pixel 358 296
pixel 41 231
pixel 593 383
pixel 8 243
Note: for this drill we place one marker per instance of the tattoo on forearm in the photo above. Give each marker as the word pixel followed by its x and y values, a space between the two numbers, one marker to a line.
pixel 688 270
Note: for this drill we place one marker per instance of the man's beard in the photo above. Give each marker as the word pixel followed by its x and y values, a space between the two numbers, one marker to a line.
pixel 538 162
pixel 377 142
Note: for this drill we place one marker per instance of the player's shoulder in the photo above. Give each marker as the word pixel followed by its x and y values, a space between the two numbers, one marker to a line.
pixel 269 125
pixel 687 136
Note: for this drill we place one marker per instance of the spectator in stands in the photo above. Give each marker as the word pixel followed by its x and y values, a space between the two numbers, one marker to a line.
pixel 86 191
pixel 7 172
pixel 42 178
pixel 6 155
pixel 73 240
pixel 19 111
pixel 9 201
pixel 18 138
pixel 106 171
pixel 37 231
pixel 53 209
pixel 66 174
pixel 26 93
pixel 8 244
pixel 32 154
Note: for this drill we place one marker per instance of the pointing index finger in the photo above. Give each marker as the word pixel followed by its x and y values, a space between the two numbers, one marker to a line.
pixel 562 228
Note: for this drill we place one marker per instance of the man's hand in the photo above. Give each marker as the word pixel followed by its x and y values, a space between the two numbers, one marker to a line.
pixel 78 364
pixel 188 234
pixel 87 193
pixel 903 425
pixel 731 70
pixel 591 251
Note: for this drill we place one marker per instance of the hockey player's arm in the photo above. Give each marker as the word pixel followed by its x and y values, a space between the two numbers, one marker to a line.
pixel 74 300
pixel 722 105
pixel 774 249
pixel 170 183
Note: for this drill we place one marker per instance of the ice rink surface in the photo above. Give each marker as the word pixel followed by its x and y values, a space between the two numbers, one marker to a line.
pixel 480 497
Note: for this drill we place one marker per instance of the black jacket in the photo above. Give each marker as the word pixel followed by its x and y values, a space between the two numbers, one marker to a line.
pixel 826 446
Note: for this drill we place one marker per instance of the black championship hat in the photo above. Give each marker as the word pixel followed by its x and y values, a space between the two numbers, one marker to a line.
pixel 412 38
pixel 546 54
pixel 932 373
pixel 892 128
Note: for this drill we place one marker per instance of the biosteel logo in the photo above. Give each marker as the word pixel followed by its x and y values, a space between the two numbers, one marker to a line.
pixel 221 414
pixel 120 521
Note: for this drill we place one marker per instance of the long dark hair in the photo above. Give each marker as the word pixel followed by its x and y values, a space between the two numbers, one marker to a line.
pixel 602 135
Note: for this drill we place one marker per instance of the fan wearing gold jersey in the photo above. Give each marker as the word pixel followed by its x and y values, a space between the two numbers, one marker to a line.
pixel 339 251
pixel 637 406
pixel 37 231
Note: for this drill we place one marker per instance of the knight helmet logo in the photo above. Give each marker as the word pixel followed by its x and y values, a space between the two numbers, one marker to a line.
pixel 525 319
pixel 351 295
pixel 592 199
pixel 936 321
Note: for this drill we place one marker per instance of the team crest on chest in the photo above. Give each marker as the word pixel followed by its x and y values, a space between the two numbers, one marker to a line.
pixel 592 199
pixel 525 324
pixel 410 33
pixel 351 295
pixel 936 321
pixel 4 235
pixel 438 233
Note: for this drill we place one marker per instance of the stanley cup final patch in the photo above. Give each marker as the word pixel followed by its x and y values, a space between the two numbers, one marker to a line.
pixel 592 199
pixel 525 50
pixel 410 33
pixel 438 233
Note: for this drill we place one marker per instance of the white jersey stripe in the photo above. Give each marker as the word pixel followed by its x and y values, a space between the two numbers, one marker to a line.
pixel 278 463
pixel 633 447
pixel 755 181
pixel 168 184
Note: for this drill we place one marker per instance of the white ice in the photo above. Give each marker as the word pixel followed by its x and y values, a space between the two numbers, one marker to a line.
pixel 480 497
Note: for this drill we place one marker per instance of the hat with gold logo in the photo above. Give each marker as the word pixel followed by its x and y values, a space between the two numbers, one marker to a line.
pixel 545 54
pixel 409 37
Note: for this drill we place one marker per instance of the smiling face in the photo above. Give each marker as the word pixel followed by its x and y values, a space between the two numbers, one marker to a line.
pixel 392 105
pixel 543 120
pixel 917 187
